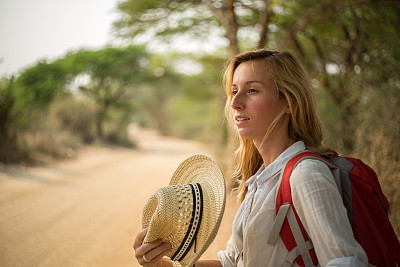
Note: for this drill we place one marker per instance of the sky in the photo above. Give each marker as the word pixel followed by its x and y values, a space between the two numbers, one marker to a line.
pixel 31 30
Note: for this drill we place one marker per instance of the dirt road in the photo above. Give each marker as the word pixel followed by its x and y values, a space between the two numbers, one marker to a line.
pixel 86 211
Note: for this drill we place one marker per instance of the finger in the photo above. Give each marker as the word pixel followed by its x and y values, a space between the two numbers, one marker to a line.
pixel 161 255
pixel 155 255
pixel 158 251
pixel 139 238
pixel 145 248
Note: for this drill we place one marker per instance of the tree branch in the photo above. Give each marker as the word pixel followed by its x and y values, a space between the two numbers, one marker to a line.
pixel 335 7
pixel 305 20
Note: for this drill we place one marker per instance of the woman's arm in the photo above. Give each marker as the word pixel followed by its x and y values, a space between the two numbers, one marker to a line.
pixel 320 208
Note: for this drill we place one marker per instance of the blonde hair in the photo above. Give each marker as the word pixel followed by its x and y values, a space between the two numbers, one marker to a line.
pixel 294 86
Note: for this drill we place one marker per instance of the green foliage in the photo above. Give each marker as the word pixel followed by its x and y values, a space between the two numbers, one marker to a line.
pixel 163 17
pixel 333 38
pixel 7 102
pixel 38 85
pixel 328 111
pixel 164 22
pixel 124 64
pixel 35 89
pixel 48 114
pixel 207 84
pixel 342 49
pixel 9 149
pixel 179 104
pixel 114 74
pixel 194 119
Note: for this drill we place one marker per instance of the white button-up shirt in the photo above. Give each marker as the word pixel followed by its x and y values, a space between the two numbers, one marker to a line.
pixel 318 204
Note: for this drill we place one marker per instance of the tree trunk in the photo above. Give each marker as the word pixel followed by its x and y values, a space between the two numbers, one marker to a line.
pixel 226 15
pixel 100 121
pixel 264 24
pixel 231 27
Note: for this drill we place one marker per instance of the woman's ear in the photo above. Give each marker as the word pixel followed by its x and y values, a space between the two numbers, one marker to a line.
pixel 291 105
pixel 288 110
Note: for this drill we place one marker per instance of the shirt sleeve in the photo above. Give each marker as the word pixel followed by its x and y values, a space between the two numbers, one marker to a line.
pixel 227 256
pixel 320 208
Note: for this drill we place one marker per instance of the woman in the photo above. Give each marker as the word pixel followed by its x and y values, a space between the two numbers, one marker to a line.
pixel 271 102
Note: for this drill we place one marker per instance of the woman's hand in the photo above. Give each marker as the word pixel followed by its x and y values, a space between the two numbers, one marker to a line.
pixel 150 254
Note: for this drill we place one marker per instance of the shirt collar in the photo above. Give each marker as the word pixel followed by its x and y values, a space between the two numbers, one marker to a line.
pixel 264 173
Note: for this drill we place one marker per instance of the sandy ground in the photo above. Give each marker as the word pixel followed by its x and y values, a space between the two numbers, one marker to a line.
pixel 86 211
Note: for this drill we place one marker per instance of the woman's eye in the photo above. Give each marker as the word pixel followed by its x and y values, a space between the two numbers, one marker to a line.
pixel 234 91
pixel 252 90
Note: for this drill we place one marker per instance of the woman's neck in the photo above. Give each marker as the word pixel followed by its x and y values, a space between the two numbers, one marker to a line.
pixel 272 148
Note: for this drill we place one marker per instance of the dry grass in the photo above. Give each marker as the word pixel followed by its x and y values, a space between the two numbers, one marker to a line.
pixel 52 142
pixel 377 150
pixel 61 129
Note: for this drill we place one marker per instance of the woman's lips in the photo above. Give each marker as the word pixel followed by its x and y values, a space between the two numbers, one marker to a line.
pixel 239 120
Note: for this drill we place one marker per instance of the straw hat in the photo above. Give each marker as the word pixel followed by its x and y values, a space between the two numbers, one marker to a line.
pixel 188 212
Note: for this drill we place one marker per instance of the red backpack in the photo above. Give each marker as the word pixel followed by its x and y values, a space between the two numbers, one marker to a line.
pixel 367 210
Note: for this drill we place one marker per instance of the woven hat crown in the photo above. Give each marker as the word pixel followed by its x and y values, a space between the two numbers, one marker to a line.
pixel 167 214
pixel 187 213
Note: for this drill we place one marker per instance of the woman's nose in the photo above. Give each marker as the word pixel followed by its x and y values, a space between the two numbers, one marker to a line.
pixel 237 102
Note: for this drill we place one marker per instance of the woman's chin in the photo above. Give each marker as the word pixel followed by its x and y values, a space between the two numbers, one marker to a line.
pixel 243 133
pixel 251 135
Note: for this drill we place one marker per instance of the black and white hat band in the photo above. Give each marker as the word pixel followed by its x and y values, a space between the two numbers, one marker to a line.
pixel 194 225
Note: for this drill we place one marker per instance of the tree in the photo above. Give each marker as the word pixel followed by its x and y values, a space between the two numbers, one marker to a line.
pixel 9 122
pixel 350 48
pixel 35 89
pixel 359 43
pixel 38 85
pixel 7 103
pixel 113 75
pixel 201 20
pixel 332 37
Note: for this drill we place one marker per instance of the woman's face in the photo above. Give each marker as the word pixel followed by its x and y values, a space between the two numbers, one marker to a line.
pixel 255 103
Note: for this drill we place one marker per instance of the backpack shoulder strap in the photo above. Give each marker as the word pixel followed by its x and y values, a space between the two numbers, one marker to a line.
pixel 287 224
pixel 290 164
